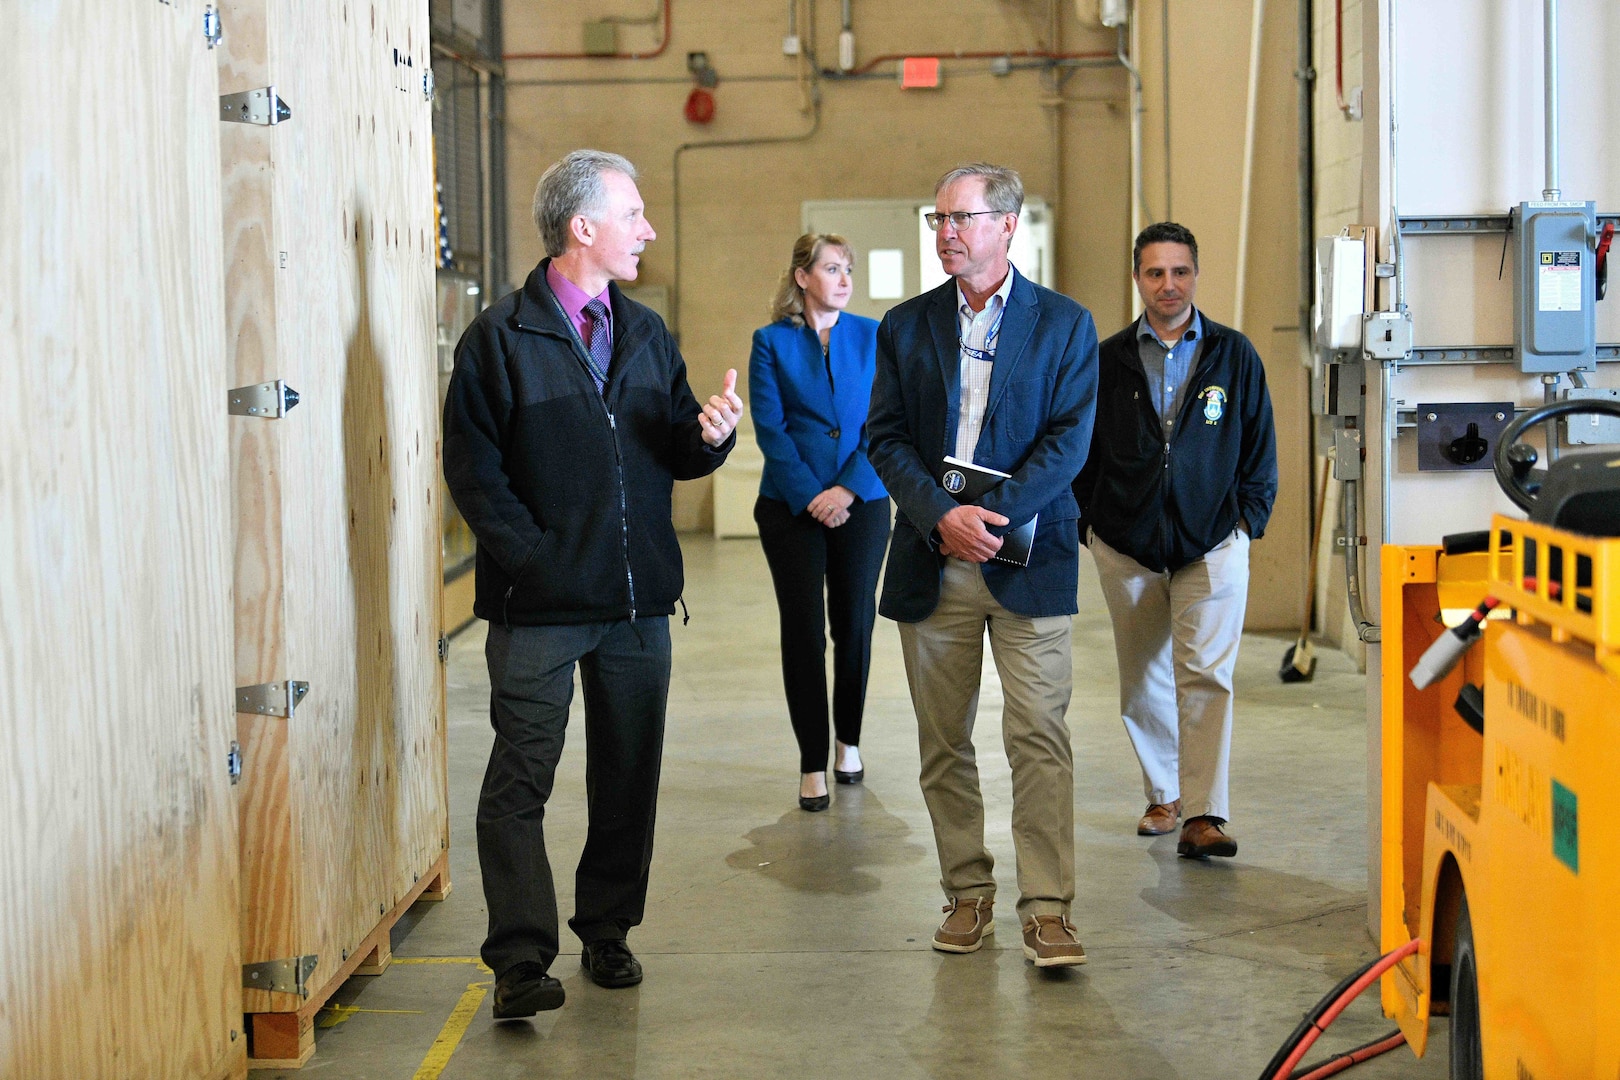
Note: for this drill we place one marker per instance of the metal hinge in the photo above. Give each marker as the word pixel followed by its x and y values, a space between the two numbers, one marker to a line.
pixel 270 400
pixel 233 762
pixel 444 648
pixel 427 84
pixel 290 976
pixel 260 106
pixel 213 29
pixel 271 698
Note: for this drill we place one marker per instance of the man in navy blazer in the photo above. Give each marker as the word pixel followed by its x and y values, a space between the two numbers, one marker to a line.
pixel 993 369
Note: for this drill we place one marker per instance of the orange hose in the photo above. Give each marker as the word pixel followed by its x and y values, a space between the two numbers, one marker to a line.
pixel 1389 960
pixel 1355 1057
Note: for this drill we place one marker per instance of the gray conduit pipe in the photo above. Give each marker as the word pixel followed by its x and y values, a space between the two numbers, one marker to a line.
pixel 1136 130
pixel 1365 630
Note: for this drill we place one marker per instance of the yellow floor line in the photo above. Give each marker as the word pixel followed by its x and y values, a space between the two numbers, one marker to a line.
pixel 333 1015
pixel 450 1035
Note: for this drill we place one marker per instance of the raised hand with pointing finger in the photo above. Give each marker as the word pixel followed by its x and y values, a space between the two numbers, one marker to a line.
pixel 719 417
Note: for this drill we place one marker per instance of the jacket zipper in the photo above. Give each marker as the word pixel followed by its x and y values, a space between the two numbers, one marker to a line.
pixel 624 504
pixel 624 512
pixel 618 465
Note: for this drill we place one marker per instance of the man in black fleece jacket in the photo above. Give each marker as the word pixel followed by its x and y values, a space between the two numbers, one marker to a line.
pixel 567 421
pixel 1181 476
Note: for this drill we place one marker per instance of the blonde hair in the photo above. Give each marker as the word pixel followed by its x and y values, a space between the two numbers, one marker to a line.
pixel 789 300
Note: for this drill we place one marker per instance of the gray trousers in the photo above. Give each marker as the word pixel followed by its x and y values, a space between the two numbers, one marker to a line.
pixel 1176 635
pixel 944 655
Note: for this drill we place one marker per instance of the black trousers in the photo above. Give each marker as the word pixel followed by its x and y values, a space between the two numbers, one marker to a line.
pixel 806 557
pixel 624 672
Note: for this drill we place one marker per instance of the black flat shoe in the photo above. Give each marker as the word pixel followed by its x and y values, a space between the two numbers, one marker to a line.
pixel 610 963
pixel 525 989
pixel 849 777
pixel 814 803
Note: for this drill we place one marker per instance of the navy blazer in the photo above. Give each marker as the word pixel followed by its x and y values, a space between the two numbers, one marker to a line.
pixel 1037 427
pixel 813 434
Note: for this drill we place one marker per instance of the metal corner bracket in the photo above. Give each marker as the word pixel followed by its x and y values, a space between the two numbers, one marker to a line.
pixel 261 107
pixel 271 699
pixel 289 976
pixel 269 400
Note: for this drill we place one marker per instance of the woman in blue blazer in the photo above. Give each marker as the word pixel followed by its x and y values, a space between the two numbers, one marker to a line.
pixel 823 515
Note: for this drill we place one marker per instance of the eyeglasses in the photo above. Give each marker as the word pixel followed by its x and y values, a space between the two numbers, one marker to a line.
pixel 960 219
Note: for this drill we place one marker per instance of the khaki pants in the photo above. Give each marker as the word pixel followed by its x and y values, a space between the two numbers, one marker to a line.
pixel 1176 636
pixel 944 654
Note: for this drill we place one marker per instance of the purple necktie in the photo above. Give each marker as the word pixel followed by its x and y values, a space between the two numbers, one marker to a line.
pixel 601 346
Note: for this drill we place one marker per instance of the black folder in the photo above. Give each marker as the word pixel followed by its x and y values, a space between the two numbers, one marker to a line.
pixel 967 483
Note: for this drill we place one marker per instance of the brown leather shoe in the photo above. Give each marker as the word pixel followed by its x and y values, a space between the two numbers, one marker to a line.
pixel 1159 819
pixel 1202 837
pixel 967 923
pixel 1051 941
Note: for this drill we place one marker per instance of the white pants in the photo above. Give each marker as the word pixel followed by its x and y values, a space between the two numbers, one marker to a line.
pixel 1176 635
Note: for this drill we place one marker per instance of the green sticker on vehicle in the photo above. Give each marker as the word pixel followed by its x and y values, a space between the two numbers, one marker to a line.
pixel 1566 830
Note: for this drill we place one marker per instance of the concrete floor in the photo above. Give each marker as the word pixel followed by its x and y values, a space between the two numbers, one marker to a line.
pixel 785 944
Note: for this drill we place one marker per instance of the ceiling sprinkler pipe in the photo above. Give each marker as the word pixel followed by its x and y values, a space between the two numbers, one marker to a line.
pixel 1550 72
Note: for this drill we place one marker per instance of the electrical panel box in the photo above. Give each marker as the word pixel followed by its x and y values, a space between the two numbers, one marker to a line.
pixel 1341 291
pixel 1591 429
pixel 1555 289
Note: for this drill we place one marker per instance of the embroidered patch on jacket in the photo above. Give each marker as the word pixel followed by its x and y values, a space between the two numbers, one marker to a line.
pixel 1214 403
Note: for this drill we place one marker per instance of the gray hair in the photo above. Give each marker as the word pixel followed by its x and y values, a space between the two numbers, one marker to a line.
pixel 573 186
pixel 1003 189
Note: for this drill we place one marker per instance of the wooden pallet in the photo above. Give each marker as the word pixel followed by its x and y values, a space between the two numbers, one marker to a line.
pixel 286 1040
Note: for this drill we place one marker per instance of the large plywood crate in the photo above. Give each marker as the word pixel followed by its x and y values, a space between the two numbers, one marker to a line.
pixel 330 237
pixel 118 823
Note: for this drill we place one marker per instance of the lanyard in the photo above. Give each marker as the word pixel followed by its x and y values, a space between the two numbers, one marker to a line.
pixel 988 353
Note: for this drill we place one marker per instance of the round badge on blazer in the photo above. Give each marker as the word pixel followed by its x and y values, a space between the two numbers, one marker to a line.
pixel 953 480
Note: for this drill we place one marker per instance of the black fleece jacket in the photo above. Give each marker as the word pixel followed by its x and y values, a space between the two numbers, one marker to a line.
pixel 569 491
pixel 1168 502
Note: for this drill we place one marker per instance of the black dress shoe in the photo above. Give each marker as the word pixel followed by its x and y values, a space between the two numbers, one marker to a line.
pixel 849 777
pixel 525 989
pixel 610 963
pixel 814 803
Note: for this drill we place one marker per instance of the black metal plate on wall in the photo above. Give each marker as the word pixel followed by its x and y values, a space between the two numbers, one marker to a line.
pixel 1443 434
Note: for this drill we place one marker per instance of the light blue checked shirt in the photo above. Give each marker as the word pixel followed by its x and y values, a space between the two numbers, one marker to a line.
pixel 1168 367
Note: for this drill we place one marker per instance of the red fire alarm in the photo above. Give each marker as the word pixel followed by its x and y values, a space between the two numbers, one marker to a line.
pixel 699 106
pixel 920 73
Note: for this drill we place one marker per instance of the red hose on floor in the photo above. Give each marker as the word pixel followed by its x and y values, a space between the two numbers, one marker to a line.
pixel 1354 1057
pixel 1317 1027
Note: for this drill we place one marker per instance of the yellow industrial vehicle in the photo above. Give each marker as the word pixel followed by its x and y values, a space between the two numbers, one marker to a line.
pixel 1501 775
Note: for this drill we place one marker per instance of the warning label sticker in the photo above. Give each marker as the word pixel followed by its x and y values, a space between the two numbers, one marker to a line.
pixel 1558 284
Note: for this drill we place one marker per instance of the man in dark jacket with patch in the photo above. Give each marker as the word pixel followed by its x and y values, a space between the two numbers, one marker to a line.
pixel 567 421
pixel 1181 477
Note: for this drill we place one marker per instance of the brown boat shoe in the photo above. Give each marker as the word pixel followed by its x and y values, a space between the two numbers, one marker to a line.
pixel 1051 941
pixel 967 923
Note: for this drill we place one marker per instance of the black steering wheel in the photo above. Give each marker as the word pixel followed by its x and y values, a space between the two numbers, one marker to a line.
pixel 1513 460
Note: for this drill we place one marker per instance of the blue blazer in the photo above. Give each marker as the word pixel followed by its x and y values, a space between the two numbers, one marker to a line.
pixel 813 434
pixel 1037 427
